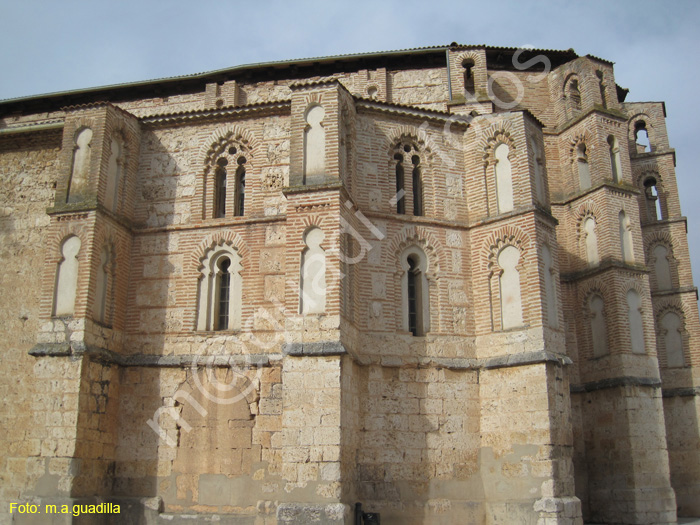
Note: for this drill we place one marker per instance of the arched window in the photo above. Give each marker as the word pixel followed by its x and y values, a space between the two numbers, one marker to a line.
pixel 599 329
pixel 400 185
pixel 641 136
pixel 584 172
pixel 636 325
pixel 417 187
pixel 573 95
pixel 414 285
pixel 115 169
pixel 653 201
pixel 511 301
pixel 314 144
pixel 504 179
pixel 601 85
pixel 591 240
pixel 100 310
pixel 626 248
pixel 550 289
pixel 220 291
pixel 313 274
pixel 239 210
pixel 539 177
pixel 672 333
pixel 468 76
pixel 662 268
pixel 615 159
pixel 78 181
pixel 220 189
pixel 67 277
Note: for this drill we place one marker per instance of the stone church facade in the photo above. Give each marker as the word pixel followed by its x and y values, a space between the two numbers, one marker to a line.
pixel 451 284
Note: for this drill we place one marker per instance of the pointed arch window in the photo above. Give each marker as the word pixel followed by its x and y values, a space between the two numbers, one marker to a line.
pixel 672 334
pixel 636 324
pixel 641 136
pixel 408 172
pixel 626 248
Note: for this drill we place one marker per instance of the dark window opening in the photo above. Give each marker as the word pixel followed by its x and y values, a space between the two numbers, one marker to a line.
pixel 641 136
pixel 468 66
pixel 413 276
pixel 654 209
pixel 240 188
pixel 601 85
pixel 400 200
pixel 417 187
pixel 220 189
pixel 224 293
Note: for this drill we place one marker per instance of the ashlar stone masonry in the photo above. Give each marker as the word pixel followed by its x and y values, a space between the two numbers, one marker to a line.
pixel 451 284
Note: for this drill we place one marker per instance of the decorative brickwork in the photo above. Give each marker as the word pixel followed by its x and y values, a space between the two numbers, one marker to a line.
pixel 434 282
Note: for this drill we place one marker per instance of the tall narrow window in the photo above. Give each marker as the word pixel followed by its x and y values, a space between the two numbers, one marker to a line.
pixel 114 173
pixel 671 330
pixel 653 202
pixel 599 329
pixel 626 238
pixel 81 165
pixel 313 274
pixel 539 177
pixel 67 277
pixel 636 325
pixel 223 291
pixel 504 179
pixel 584 172
pixel 511 301
pixel 99 309
pixel 550 289
pixel 591 241
pixel 573 94
pixel 240 188
pixel 400 185
pixel 412 296
pixel 601 85
pixel 415 292
pixel 417 187
pixel 314 145
pixel 662 268
pixel 220 291
pixel 642 137
pixel 468 65
pixel 615 159
pixel 220 189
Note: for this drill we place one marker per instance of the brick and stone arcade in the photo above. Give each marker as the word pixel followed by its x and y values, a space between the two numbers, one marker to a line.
pixel 451 284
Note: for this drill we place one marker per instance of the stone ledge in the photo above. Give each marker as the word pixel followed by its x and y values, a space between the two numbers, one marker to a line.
pixel 78 349
pixel 324 348
pixel 615 382
pixel 681 392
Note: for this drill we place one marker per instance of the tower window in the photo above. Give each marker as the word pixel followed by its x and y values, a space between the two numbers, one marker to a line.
pixel 224 290
pixel 468 65
pixel 651 194
pixel 240 188
pixel 400 185
pixel 220 190
pixel 417 187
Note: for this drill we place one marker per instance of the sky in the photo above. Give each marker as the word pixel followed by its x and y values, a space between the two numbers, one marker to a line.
pixel 56 46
